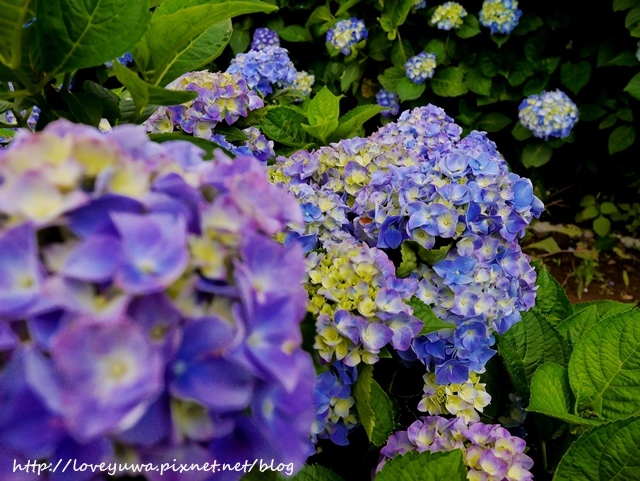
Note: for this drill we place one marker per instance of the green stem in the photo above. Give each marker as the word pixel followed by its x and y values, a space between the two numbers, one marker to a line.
pixel 545 463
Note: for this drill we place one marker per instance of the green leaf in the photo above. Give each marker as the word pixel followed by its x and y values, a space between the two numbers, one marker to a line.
pixel 611 53
pixel 284 124
pixel 551 395
pixel 345 5
pixel 575 75
pixel 528 345
pixel 602 226
pixel 425 466
pixel 478 83
pixel 14 16
pixel 520 132
pixel 354 119
pixel 469 28
pixel 430 322
pixel 548 245
pixel 394 14
pixel 625 114
pixel 390 77
pixel 315 472
pixel 144 93
pixel 178 24
pixel 624 4
pixel 536 155
pixel 633 87
pixel 86 108
pixel 208 146
pixel 231 133
pixel 589 212
pixel 632 22
pixel 321 131
pixel 295 33
pixel 436 47
pixel 408 90
pixel 449 82
pixel 401 52
pixel 323 107
pixel 528 23
pixel 409 261
pixel 608 121
pixel 551 300
pixel 431 256
pixel 588 200
pixel 621 139
pixel 74 34
pixel 535 85
pixel 487 63
pixel 606 308
pixel 110 101
pixel 590 112
pixel 493 122
pixel 521 71
pixel 605 367
pixel 200 50
pixel 375 411
pixel 574 326
pixel 352 73
pixel 608 452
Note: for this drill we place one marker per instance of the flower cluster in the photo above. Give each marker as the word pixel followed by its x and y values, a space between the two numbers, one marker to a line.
pixel 335 410
pixel 263 68
pixel 413 180
pixel 347 33
pixel 419 4
pixel 548 114
pixel 303 82
pixel 221 97
pixel 448 16
pixel 10 119
pixel 145 305
pixel 463 400
pixel 384 98
pixel 264 37
pixel 501 16
pixel 420 67
pixel 125 60
pixel 490 452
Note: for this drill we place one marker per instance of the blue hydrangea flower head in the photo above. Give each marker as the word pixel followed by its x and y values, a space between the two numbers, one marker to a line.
pixel 264 37
pixel 419 4
pixel 420 67
pixel 384 98
pixel 303 82
pixel 346 33
pixel 548 114
pixel 448 16
pixel 263 68
pixel 501 16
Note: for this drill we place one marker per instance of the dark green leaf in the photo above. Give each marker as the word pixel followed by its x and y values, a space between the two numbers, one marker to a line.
pixel 632 21
pixel 436 46
pixel 353 120
pixel 87 108
pixel 13 17
pixel 394 14
pixel 352 73
pixel 232 134
pixel 487 64
pixel 408 90
pixel 208 146
pixel 621 139
pixel 520 132
pixel 606 453
pixel 431 322
pixel 535 85
pixel 575 76
pixel 611 53
pixel 521 71
pixel 528 23
pixel 390 77
pixel 110 101
pixel 283 124
pixel 74 34
pixel 375 411
pixel 625 114
pixel 608 121
pixel 295 33
pixel 551 395
pixel 425 466
pixel 469 28
pixel 551 300
pixel 315 472
pixel 573 327
pixel 605 308
pixel 401 52
pixel 478 83
pixel 536 154
pixel 624 4
pixel 449 82
pixel 493 122
pixel 345 5
pixel 590 112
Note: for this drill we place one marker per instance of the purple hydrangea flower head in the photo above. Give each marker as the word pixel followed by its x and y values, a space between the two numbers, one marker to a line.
pixel 501 16
pixel 261 69
pixel 420 67
pixel 384 98
pixel 347 33
pixel 144 301
pixel 548 114
pixel 264 37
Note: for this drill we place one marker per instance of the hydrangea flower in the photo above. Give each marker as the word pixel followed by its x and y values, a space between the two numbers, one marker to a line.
pixel 303 82
pixel 419 4
pixel 264 37
pixel 448 16
pixel 184 340
pixel 462 400
pixel 346 33
pixel 335 406
pixel 221 97
pixel 384 98
pixel 548 114
pixel 10 119
pixel 490 452
pixel 501 16
pixel 263 68
pixel 124 60
pixel 420 67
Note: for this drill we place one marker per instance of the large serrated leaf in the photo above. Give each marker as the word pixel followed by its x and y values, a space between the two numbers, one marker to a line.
pixel 323 108
pixel 375 411
pixel 425 466
pixel 449 82
pixel 430 321
pixel 606 308
pixel 606 453
pixel 284 124
pixel 409 261
pixel 315 472
pixel 14 13
pixel 74 34
pixel 354 119
pixel 575 325
pixel 551 395
pixel 604 370
pixel 528 345
pixel 551 300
